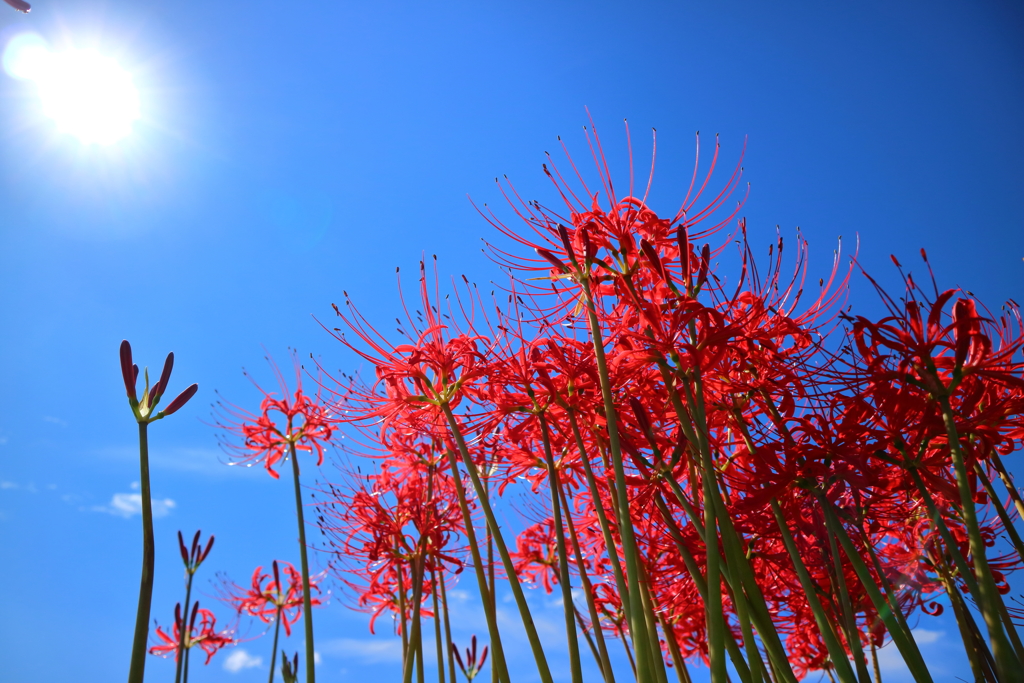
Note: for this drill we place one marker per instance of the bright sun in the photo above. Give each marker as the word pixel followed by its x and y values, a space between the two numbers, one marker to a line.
pixel 88 95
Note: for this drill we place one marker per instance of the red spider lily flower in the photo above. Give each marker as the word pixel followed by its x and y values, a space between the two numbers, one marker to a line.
pixel 206 637
pixel 268 596
pixel 285 419
pixel 442 364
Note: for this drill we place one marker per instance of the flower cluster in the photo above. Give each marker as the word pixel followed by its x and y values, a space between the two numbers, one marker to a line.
pixel 730 467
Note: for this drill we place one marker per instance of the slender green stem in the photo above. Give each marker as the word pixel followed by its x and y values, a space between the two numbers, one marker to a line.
pixel 849 623
pixel 602 648
pixel 448 634
pixel 273 651
pixel 874 662
pixel 416 637
pixel 637 622
pixel 1008 482
pixel 568 609
pixel 499 542
pixel 963 620
pixel 835 650
pixel 1004 517
pixel 307 608
pixel 478 567
pixel 181 640
pixel 403 626
pixel 188 650
pixel 1008 665
pixel 137 669
pixel 602 518
pixel 904 640
pixel 742 670
pixel 437 627
pixel 678 663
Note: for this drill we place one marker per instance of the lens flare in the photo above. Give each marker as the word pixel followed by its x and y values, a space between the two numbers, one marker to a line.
pixel 88 95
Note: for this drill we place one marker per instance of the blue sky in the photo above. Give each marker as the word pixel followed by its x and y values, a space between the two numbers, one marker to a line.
pixel 290 151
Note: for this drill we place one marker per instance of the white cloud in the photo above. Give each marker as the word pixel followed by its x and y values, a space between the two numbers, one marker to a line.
pixel 55 420
pixel 8 485
pixel 240 659
pixel 924 636
pixel 128 504
pixel 316 657
pixel 892 664
pixel 368 650
pixel 206 461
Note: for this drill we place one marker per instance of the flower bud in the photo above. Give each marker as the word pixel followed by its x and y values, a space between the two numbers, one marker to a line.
pixel 181 400
pixel 20 5
pixel 552 259
pixel 128 371
pixel 183 549
pixel 165 377
pixel 564 234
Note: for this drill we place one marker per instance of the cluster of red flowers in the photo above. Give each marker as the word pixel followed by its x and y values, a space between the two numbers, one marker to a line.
pixel 731 468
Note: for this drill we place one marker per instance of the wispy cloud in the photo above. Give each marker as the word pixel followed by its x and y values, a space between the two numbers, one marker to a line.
pixel 892 664
pixel 240 659
pixel 55 420
pixel 205 461
pixel 128 504
pixel 367 650
pixel 8 485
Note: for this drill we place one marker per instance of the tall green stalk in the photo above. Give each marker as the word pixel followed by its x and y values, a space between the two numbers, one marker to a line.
pixel 137 670
pixel 563 557
pixel 273 651
pixel 499 542
pixel 497 651
pixel 637 622
pixel 903 639
pixel 1010 668
pixel 828 635
pixel 307 607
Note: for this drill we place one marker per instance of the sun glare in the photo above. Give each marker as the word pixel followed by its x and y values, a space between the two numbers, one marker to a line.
pixel 87 94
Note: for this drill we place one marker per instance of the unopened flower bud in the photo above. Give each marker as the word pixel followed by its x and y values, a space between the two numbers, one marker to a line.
pixel 165 377
pixel 128 371
pixel 181 400
pixel 564 234
pixel 552 259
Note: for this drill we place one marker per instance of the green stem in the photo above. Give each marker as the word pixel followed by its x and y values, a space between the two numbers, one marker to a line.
pixel 307 608
pixel 1007 664
pixel 137 669
pixel 1008 482
pixel 835 650
pixel 563 557
pixel 904 640
pixel 849 616
pixel 181 640
pixel 963 619
pixel 416 637
pixel 637 623
pixel 1004 517
pixel 602 518
pixel 448 634
pixel 273 650
pixel 602 648
pixel 478 567
pixel 499 542
pixel 437 627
